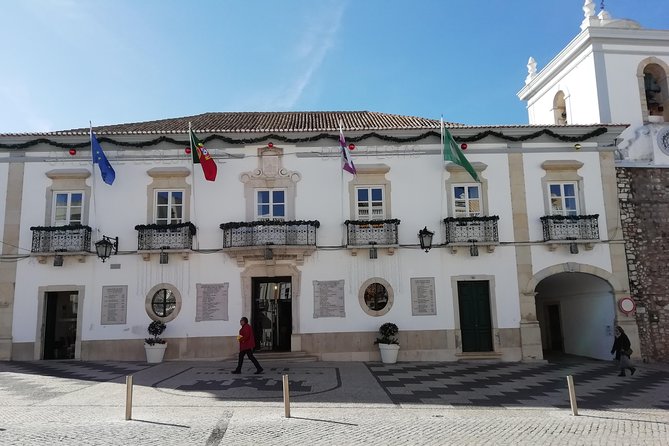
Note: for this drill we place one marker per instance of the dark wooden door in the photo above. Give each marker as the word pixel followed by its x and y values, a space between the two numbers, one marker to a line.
pixel 475 321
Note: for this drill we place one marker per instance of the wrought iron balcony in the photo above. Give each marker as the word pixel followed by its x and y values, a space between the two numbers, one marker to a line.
pixel 58 239
pixel 472 232
pixel 155 237
pixel 271 232
pixel 570 227
pixel 372 232
pixel 469 230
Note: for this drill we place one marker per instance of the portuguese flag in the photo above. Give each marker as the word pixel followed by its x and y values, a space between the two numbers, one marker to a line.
pixel 202 157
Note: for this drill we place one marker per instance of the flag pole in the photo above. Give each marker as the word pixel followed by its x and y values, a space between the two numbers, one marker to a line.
pixel 93 199
pixel 341 181
pixel 192 173
pixel 443 180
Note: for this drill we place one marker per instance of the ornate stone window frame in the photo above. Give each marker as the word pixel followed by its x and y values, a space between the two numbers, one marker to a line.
pixel 562 171
pixel 167 178
pixel 370 175
pixel 459 176
pixel 361 296
pixel 68 180
pixel 149 298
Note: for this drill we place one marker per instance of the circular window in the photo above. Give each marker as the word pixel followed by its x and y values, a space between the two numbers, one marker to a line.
pixel 376 296
pixel 163 302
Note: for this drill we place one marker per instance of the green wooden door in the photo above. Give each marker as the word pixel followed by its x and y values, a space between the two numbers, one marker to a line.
pixel 475 322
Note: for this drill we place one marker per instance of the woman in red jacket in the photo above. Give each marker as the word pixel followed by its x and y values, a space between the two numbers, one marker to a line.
pixel 247 343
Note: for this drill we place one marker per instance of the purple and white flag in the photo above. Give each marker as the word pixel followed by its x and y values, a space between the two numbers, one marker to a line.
pixel 347 161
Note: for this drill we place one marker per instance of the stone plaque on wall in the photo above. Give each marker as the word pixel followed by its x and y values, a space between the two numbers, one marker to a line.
pixel 114 305
pixel 211 302
pixel 329 298
pixel 423 302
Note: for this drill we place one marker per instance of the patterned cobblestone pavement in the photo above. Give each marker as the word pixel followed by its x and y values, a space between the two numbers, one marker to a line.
pixel 183 403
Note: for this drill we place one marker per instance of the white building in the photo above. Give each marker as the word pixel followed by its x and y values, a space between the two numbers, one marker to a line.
pixel 615 71
pixel 530 259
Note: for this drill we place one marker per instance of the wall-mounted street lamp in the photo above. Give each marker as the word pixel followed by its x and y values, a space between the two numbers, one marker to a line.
pixel 425 237
pixel 106 247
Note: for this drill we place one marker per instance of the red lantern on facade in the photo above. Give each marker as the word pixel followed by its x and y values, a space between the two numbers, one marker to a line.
pixel 187 150
pixel 73 152
pixel 270 144
pixel 463 146
pixel 351 146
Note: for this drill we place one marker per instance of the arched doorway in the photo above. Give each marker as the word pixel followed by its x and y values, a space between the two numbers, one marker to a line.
pixel 576 313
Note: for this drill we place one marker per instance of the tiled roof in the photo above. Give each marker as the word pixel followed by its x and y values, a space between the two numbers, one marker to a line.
pixel 264 122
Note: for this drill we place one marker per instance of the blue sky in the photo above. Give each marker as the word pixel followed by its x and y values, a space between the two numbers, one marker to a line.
pixel 68 62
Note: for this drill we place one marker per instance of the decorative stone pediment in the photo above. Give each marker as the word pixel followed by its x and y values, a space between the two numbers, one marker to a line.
pixel 270 167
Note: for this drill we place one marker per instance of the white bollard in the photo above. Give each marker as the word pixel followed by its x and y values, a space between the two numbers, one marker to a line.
pixel 572 395
pixel 128 397
pixel 286 396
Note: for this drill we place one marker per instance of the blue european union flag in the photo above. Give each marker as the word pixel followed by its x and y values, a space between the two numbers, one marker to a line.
pixel 99 158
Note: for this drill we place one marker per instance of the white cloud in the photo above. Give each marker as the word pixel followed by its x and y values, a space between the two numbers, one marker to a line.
pixel 319 37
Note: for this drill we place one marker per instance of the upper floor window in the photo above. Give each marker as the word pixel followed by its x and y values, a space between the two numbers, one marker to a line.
pixel 270 204
pixel 169 207
pixel 563 198
pixel 68 208
pixel 466 200
pixel 370 203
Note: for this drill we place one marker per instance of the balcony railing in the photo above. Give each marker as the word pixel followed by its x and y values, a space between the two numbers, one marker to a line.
pixel 570 227
pixel 372 232
pixel 272 232
pixel 468 230
pixel 71 238
pixel 174 236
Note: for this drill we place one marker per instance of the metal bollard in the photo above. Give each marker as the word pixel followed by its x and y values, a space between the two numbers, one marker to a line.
pixel 286 396
pixel 572 395
pixel 128 397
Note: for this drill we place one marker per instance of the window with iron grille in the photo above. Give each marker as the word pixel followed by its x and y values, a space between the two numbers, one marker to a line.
pixel 466 200
pixel 370 203
pixel 270 204
pixel 563 198
pixel 68 208
pixel 169 206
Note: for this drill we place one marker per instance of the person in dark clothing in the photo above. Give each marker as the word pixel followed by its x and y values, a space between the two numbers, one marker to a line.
pixel 247 343
pixel 622 349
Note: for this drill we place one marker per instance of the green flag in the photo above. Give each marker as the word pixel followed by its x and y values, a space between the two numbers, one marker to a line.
pixel 453 153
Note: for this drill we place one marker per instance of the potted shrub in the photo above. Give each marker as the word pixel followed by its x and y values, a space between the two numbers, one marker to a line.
pixel 155 346
pixel 389 346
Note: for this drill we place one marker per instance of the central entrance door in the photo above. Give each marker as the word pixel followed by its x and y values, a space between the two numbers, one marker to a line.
pixel 272 316
pixel 60 325
pixel 475 321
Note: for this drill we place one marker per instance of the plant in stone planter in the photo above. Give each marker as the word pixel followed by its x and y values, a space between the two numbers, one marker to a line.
pixel 388 344
pixel 155 346
pixel 156 328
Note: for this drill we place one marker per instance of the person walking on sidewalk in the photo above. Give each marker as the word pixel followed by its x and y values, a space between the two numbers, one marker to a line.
pixel 247 343
pixel 623 350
